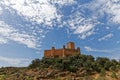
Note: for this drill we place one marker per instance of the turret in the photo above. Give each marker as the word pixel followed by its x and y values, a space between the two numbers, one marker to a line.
pixel 52 51
pixel 70 45
pixel 63 46
pixel 78 49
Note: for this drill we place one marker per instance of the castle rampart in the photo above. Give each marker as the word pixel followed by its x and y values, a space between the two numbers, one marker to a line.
pixel 63 52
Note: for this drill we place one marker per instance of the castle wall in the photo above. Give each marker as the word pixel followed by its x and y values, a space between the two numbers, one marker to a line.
pixel 58 53
pixel 64 52
pixel 69 52
pixel 47 53
pixel 53 53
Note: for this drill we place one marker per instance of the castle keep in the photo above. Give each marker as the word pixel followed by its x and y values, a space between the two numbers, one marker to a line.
pixel 63 52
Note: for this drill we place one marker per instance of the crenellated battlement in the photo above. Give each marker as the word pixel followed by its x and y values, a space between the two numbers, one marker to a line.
pixel 63 52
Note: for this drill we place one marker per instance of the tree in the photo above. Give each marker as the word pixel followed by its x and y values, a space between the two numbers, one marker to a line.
pixel 35 63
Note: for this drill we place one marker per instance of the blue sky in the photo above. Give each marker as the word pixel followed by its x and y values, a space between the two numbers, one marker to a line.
pixel 28 27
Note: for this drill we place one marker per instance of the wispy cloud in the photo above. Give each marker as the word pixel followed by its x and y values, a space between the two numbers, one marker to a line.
pixel 106 37
pixel 3 40
pixel 14 61
pixel 84 21
pixel 119 28
pixel 96 50
pixel 109 7
pixel 83 27
pixel 79 21
pixel 85 30
pixel 8 33
pixel 0 10
pixel 40 11
pixel 63 2
pixel 111 53
pixel 46 12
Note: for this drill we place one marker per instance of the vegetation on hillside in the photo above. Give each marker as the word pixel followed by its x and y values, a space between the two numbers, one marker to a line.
pixel 73 63
pixel 83 65
pixel 77 67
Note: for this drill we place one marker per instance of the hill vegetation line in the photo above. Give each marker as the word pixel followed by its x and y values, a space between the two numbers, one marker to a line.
pixel 77 67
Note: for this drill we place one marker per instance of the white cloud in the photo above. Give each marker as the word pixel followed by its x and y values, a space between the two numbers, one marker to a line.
pixel 3 40
pixel 106 37
pixel 109 7
pixel 118 42
pixel 107 28
pixel 81 26
pixel 18 62
pixel 43 12
pixel 40 11
pixel 113 53
pixel 119 28
pixel 63 2
pixel 87 48
pixel 84 30
pixel 85 26
pixel 0 10
pixel 8 33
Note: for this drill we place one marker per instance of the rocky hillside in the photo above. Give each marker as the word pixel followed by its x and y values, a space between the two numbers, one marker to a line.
pixel 77 67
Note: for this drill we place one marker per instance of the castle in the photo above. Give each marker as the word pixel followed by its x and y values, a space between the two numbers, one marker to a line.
pixel 63 52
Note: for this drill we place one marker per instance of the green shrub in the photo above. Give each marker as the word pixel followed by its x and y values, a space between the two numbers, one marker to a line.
pixel 102 73
pixel 2 77
pixel 73 63
pixel 113 75
pixel 101 78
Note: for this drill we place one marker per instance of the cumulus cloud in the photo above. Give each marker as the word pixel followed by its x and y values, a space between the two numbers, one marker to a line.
pixel 9 33
pixel 106 37
pixel 18 62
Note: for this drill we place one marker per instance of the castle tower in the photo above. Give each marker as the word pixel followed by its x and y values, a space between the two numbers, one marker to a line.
pixel 62 52
pixel 70 45
pixel 78 49
pixel 52 51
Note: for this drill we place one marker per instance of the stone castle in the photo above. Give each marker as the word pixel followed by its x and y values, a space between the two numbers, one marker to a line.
pixel 63 52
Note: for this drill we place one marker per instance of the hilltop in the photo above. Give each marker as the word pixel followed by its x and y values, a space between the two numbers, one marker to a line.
pixel 76 67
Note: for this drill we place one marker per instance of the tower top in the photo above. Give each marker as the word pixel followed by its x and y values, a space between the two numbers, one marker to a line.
pixel 70 45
